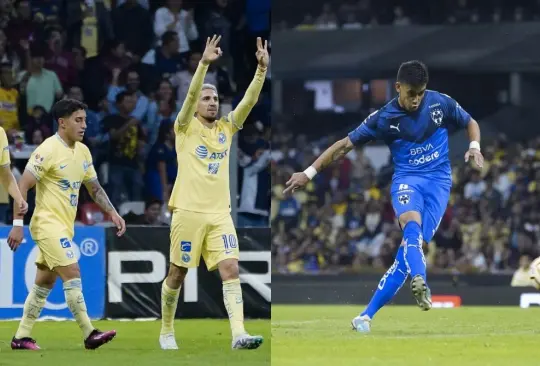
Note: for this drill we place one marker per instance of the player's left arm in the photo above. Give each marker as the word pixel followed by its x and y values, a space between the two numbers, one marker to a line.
pixel 239 115
pixel 6 176
pixel 463 119
pixel 99 196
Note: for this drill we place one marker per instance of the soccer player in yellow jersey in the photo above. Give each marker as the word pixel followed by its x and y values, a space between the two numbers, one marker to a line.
pixel 200 200
pixel 58 168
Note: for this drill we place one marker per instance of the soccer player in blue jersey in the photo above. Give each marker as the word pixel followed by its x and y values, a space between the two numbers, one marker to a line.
pixel 415 127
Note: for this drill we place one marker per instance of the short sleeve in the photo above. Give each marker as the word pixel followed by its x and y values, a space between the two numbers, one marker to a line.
pixel 367 131
pixel 40 161
pixel 90 172
pixel 458 117
pixel 5 159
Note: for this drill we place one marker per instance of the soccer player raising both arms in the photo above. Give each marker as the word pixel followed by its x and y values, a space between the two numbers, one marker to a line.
pixel 57 168
pixel 415 127
pixel 200 200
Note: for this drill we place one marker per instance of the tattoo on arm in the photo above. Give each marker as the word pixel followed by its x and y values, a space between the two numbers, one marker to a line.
pixel 100 197
pixel 334 153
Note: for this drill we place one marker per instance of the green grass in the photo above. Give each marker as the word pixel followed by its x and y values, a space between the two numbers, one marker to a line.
pixel 402 336
pixel 201 343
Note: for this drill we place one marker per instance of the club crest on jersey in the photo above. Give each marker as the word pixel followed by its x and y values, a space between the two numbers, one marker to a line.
pixel 222 138
pixel 437 116
pixel 201 151
pixel 38 158
pixel 404 199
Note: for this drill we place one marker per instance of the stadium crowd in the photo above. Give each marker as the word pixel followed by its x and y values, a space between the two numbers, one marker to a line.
pixel 344 220
pixel 131 62
pixel 357 14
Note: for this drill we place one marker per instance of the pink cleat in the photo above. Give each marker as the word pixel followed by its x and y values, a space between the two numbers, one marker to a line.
pixel 24 343
pixel 98 338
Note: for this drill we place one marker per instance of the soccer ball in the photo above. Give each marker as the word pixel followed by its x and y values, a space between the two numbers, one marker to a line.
pixel 535 272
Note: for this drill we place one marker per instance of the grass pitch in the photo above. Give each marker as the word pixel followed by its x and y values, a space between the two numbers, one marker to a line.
pixel 403 336
pixel 201 343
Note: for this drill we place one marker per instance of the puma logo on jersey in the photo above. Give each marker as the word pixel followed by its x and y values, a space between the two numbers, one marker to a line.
pixel 396 127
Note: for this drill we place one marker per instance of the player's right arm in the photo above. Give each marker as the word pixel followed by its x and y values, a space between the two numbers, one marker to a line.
pixel 211 53
pixel 364 133
pixel 37 166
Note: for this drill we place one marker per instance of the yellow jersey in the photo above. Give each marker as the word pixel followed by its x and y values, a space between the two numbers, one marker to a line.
pixel 9 114
pixel 60 171
pixel 202 182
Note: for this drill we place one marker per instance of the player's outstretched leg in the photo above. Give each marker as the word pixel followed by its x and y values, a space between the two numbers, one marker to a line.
pixel 414 257
pixel 170 291
pixel 232 298
pixel 388 286
pixel 35 301
pixel 71 276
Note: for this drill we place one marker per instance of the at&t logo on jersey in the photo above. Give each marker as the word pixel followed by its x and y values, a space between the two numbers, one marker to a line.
pixel 201 151
pixel 218 155
pixel 425 158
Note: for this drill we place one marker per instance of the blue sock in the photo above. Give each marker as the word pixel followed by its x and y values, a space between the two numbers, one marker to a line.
pixel 414 255
pixel 389 285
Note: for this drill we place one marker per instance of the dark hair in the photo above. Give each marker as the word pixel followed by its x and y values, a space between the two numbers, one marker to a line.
pixel 122 95
pixel 413 73
pixel 164 130
pixel 152 201
pixel 66 107
pixel 168 37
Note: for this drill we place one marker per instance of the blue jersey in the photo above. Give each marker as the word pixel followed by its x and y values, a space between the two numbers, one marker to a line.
pixel 418 140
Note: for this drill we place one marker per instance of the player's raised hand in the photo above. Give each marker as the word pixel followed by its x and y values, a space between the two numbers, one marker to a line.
pixel 119 223
pixel 476 155
pixel 212 52
pixel 298 180
pixel 15 237
pixel 262 52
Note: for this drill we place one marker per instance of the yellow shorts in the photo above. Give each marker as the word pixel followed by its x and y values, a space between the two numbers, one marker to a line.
pixel 194 234
pixel 56 252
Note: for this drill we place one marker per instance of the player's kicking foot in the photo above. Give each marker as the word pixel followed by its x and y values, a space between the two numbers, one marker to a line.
pixel 421 292
pixel 98 338
pixel 167 341
pixel 246 341
pixel 24 343
pixel 361 324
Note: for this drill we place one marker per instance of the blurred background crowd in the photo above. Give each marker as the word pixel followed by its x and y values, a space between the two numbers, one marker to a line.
pixel 358 14
pixel 344 221
pixel 131 62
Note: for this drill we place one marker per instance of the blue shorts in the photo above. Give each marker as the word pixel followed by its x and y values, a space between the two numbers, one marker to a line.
pixel 426 195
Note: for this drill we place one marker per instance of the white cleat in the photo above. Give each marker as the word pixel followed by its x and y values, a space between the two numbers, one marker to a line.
pixel 246 341
pixel 361 324
pixel 167 341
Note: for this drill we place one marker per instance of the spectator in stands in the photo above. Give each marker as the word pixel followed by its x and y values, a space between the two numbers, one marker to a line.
pixel 133 26
pixel 173 18
pixel 475 187
pixel 126 136
pixel 42 86
pixel 59 60
pixel 161 165
pixel 254 205
pixel 38 120
pixel 163 110
pixel 128 81
pixel 21 27
pixel 152 211
pixel 165 59
pixel 9 99
pixel 219 22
